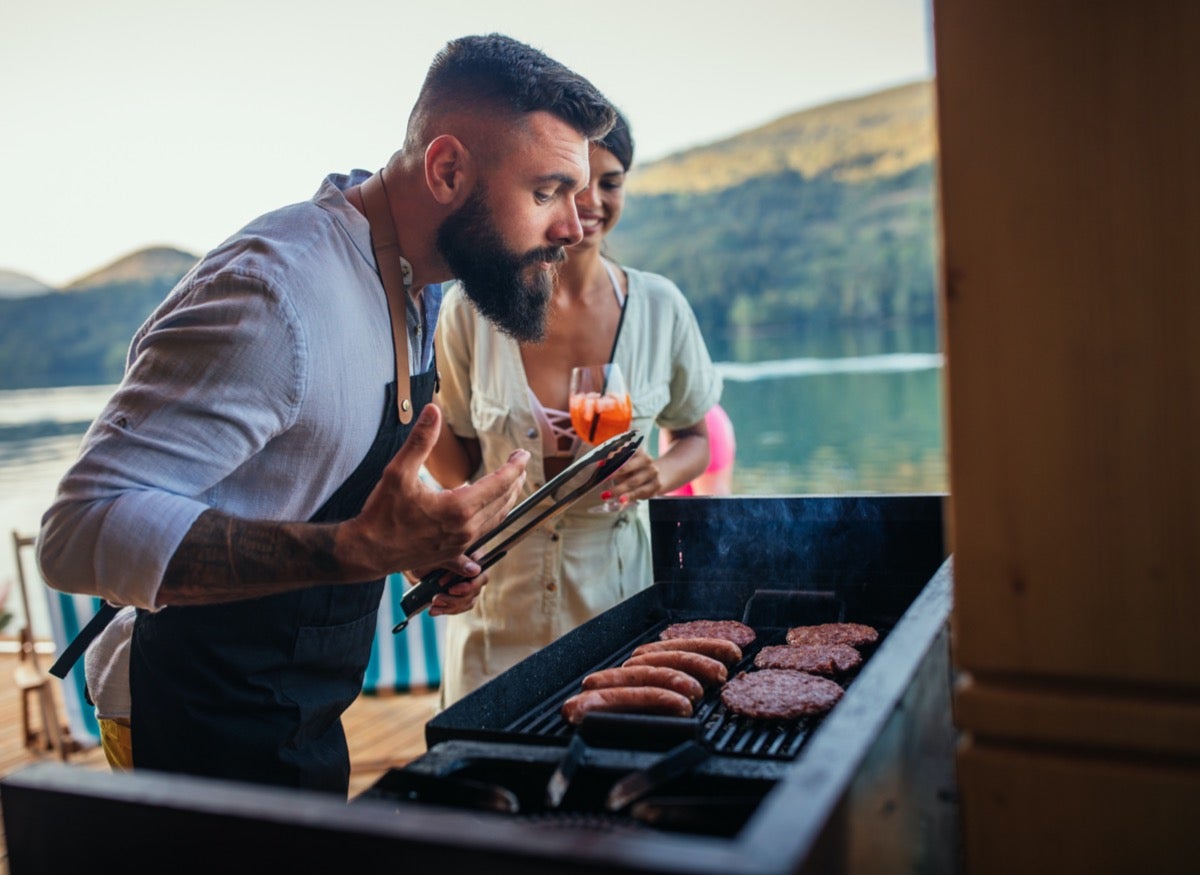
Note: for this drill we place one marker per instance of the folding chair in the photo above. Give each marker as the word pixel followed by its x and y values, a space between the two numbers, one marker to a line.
pixel 37 692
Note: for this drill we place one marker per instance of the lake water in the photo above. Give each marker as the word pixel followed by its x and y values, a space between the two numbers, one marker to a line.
pixel 833 413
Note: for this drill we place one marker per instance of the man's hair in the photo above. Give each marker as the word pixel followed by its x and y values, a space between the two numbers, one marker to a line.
pixel 619 141
pixel 499 74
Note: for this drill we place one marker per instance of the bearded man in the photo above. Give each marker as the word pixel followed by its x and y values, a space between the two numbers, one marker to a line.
pixel 254 478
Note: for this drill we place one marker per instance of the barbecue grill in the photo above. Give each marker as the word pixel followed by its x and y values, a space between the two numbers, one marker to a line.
pixel 868 786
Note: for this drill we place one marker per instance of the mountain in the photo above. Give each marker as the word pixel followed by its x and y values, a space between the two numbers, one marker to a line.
pixel 823 216
pixel 79 336
pixel 18 285
pixel 140 266
pixel 876 135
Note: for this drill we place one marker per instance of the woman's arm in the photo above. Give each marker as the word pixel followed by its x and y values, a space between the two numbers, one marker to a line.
pixel 685 457
pixel 453 459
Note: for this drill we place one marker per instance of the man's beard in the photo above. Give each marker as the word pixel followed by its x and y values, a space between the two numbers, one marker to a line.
pixel 496 279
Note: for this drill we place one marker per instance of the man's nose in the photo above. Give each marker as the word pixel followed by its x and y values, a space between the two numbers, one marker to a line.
pixel 568 231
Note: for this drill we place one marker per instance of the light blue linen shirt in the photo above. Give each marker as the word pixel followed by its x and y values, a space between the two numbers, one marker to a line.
pixel 256 387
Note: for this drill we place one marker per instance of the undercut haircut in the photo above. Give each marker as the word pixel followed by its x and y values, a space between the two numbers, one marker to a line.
pixel 496 73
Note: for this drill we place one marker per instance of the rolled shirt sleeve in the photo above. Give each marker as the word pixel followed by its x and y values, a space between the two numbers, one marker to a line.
pixel 212 376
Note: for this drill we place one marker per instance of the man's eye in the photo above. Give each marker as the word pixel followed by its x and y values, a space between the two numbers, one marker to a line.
pixel 542 197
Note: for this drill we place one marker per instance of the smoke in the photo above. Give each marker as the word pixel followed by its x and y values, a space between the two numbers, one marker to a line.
pixel 724 550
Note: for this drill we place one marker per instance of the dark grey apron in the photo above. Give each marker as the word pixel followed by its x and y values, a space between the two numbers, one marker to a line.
pixel 254 690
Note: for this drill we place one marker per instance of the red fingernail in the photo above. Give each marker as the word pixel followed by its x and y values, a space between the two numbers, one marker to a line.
pixel 606 495
pixel 624 499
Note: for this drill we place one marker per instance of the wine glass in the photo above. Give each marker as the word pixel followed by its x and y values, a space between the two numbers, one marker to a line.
pixel 600 409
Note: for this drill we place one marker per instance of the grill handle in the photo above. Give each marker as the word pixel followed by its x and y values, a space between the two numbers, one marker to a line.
pixel 793 607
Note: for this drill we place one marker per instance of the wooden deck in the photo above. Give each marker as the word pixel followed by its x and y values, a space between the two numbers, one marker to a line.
pixel 383 732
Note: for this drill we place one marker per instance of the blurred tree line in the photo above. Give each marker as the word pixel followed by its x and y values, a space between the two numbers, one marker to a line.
pixel 786 250
pixel 781 250
pixel 74 338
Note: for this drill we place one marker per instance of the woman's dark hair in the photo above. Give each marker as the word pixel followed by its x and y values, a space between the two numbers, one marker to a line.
pixel 619 141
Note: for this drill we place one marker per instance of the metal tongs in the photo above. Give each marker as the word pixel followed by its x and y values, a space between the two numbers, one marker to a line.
pixel 598 464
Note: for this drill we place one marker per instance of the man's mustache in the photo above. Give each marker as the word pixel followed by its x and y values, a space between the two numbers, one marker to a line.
pixel 551 254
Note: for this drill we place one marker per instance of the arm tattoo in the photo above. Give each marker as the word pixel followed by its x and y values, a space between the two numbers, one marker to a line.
pixel 224 559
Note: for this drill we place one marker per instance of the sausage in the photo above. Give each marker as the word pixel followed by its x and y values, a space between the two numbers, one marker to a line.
pixel 629 700
pixel 718 648
pixel 646 676
pixel 705 669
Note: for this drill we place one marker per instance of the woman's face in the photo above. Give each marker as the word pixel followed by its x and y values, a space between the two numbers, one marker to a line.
pixel 600 204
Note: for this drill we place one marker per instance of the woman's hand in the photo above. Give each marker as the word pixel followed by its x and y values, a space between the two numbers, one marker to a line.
pixel 458 598
pixel 455 599
pixel 638 478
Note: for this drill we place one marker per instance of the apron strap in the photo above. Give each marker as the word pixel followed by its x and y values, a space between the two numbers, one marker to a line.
pixel 72 652
pixel 374 203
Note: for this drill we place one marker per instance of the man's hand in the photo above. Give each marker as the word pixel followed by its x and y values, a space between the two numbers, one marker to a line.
pixel 407 524
pixel 404 524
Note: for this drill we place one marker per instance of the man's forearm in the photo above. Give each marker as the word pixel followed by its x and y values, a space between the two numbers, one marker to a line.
pixel 223 559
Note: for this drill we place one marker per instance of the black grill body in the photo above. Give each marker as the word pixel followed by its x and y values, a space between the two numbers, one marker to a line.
pixel 867 787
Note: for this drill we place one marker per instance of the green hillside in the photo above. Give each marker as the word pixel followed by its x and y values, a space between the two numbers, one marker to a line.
pixel 75 339
pixel 876 135
pixel 789 250
pixel 823 216
pixel 79 337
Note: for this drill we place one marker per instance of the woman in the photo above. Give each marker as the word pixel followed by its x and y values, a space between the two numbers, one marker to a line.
pixel 499 395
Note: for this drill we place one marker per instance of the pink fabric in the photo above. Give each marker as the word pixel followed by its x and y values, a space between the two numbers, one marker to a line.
pixel 721 443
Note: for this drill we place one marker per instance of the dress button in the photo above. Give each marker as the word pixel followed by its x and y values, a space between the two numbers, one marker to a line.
pixel 554 536
pixel 552 586
pixel 532 433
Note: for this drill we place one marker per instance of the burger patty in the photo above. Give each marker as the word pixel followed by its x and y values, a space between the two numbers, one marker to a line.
pixel 854 634
pixel 779 694
pixel 731 630
pixel 825 659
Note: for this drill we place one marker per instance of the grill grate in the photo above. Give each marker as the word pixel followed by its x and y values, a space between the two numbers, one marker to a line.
pixel 734 734
pixel 726 733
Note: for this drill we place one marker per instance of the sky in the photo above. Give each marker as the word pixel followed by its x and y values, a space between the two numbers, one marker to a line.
pixel 132 123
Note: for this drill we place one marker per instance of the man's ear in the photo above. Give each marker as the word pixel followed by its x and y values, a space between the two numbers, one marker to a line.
pixel 447 169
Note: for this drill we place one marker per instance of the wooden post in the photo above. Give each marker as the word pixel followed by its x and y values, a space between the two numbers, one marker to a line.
pixel 1070 204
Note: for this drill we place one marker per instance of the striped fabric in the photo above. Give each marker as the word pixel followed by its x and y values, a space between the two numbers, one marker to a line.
pixel 410 660
pixel 399 663
pixel 68 614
